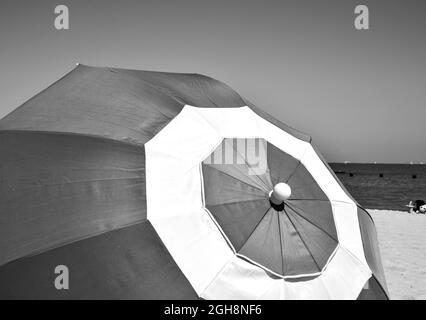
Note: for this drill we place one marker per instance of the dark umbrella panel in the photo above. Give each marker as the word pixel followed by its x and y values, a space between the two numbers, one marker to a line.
pixel 115 174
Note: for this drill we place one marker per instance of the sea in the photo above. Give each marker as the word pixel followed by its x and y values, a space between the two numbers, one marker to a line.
pixel 383 186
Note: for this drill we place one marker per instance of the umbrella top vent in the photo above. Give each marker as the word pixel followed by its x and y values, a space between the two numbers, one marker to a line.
pixel 280 193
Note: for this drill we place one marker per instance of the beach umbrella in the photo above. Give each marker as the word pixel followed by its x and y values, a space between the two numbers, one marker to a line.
pixel 120 184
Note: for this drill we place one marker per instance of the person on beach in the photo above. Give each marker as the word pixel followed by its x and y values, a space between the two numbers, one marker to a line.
pixel 417 206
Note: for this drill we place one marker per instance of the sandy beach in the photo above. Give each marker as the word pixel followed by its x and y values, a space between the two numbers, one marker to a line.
pixel 402 239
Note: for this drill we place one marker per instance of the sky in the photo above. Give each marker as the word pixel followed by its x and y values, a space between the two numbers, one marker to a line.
pixel 361 94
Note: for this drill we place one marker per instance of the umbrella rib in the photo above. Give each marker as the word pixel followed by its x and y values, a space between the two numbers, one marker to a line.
pixel 301 238
pixel 304 218
pixel 281 243
pixel 234 202
pixel 294 171
pixel 75 182
pixel 305 185
pixel 229 175
pixel 246 163
pixel 308 200
pixel 255 227
pixel 82 135
pixel 322 200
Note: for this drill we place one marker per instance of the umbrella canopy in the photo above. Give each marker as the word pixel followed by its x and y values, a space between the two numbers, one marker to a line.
pixel 154 185
pixel 295 237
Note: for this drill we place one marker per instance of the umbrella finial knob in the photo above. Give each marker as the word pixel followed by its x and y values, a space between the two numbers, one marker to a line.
pixel 281 192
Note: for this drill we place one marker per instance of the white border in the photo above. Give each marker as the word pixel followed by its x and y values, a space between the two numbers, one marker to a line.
pixel 175 204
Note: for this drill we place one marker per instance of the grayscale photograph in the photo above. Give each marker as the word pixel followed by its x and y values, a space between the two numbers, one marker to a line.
pixel 234 151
